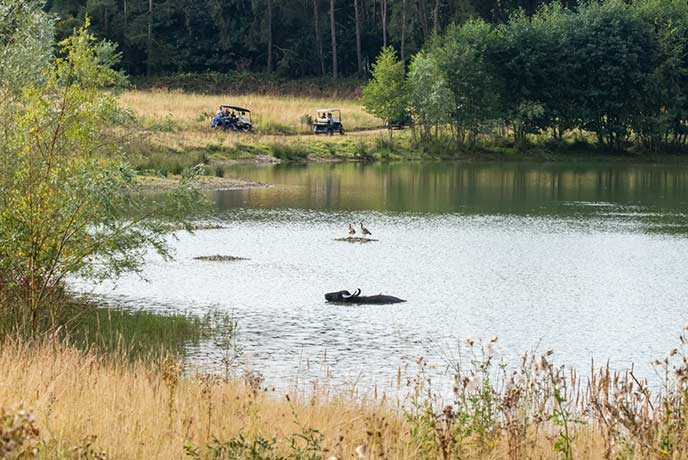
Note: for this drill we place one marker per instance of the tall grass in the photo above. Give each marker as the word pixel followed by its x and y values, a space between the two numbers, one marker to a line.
pixel 534 409
pixel 175 110
pixel 135 334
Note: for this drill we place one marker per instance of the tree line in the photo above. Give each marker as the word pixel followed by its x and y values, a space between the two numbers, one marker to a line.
pixel 615 70
pixel 293 38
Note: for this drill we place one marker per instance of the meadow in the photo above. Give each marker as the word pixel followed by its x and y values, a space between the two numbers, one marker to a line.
pixel 174 130
pixel 271 114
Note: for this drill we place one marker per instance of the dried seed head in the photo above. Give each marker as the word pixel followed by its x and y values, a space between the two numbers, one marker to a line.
pixel 470 383
pixel 489 350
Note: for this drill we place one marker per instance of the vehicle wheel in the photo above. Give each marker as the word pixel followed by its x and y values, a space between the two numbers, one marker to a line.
pixel 341 131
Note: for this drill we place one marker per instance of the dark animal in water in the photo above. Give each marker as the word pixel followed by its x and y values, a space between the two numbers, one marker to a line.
pixel 356 297
pixel 365 231
pixel 352 231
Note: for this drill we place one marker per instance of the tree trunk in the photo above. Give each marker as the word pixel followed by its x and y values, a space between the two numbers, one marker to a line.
pixel 359 58
pixel 269 27
pixel 318 38
pixel 149 39
pixel 333 34
pixel 436 18
pixel 421 7
pixel 403 31
pixel 124 10
pixel 383 15
pixel 106 24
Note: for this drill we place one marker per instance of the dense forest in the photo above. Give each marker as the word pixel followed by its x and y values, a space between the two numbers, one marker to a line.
pixel 293 38
pixel 617 69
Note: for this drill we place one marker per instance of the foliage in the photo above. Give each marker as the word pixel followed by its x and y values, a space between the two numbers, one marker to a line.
pixel 617 69
pixel 64 203
pixel 462 57
pixel 306 445
pixel 431 101
pixel 232 35
pixel 26 38
pixel 385 94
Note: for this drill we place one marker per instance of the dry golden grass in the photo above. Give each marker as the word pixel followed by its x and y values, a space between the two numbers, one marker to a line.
pixel 142 412
pixel 179 122
pixel 193 111
pixel 151 412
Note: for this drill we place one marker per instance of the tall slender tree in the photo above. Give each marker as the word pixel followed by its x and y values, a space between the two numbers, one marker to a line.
pixel 149 39
pixel 359 57
pixel 403 30
pixel 436 17
pixel 421 12
pixel 333 35
pixel 269 32
pixel 318 38
pixel 383 16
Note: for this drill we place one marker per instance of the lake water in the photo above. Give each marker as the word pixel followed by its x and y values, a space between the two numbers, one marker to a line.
pixel 589 260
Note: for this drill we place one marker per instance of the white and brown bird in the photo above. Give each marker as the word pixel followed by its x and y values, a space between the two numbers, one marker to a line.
pixel 365 231
pixel 352 230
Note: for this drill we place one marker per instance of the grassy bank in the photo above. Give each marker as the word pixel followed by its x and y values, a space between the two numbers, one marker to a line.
pixel 175 135
pixel 68 403
pixel 136 334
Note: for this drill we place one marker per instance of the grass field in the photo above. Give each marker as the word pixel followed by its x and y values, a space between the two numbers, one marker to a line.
pixel 270 114
pixel 176 130
pixel 174 134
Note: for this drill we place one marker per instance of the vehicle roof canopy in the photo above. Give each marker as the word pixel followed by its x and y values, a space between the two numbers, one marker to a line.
pixel 327 110
pixel 240 109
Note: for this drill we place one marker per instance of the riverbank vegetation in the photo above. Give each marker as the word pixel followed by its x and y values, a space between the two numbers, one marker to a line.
pixel 610 72
pixel 68 201
pixel 62 402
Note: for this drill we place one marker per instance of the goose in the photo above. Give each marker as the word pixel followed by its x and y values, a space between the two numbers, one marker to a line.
pixel 352 230
pixel 365 231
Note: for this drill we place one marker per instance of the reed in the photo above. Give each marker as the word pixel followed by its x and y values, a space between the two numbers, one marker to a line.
pixel 60 402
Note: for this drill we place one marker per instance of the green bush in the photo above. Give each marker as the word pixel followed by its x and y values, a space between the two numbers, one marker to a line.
pixel 288 152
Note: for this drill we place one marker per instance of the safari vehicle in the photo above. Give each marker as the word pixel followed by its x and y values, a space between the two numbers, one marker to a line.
pixel 328 121
pixel 233 118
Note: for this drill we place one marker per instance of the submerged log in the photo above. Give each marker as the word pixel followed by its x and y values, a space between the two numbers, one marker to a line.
pixel 220 258
pixel 355 239
pixel 197 226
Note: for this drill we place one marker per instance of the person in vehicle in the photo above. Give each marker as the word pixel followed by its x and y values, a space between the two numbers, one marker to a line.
pixel 242 118
pixel 330 124
pixel 231 120
pixel 217 119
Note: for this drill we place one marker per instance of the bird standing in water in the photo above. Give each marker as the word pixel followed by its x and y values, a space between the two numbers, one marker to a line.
pixel 352 230
pixel 365 231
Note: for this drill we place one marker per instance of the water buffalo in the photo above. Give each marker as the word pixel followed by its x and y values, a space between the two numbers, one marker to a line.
pixel 356 297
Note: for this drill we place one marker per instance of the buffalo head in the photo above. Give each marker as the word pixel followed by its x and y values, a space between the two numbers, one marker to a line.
pixel 342 296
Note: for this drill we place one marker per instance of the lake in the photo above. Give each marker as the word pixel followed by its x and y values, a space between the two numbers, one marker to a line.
pixel 590 260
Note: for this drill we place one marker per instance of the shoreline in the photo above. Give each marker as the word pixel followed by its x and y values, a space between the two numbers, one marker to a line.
pixel 211 183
